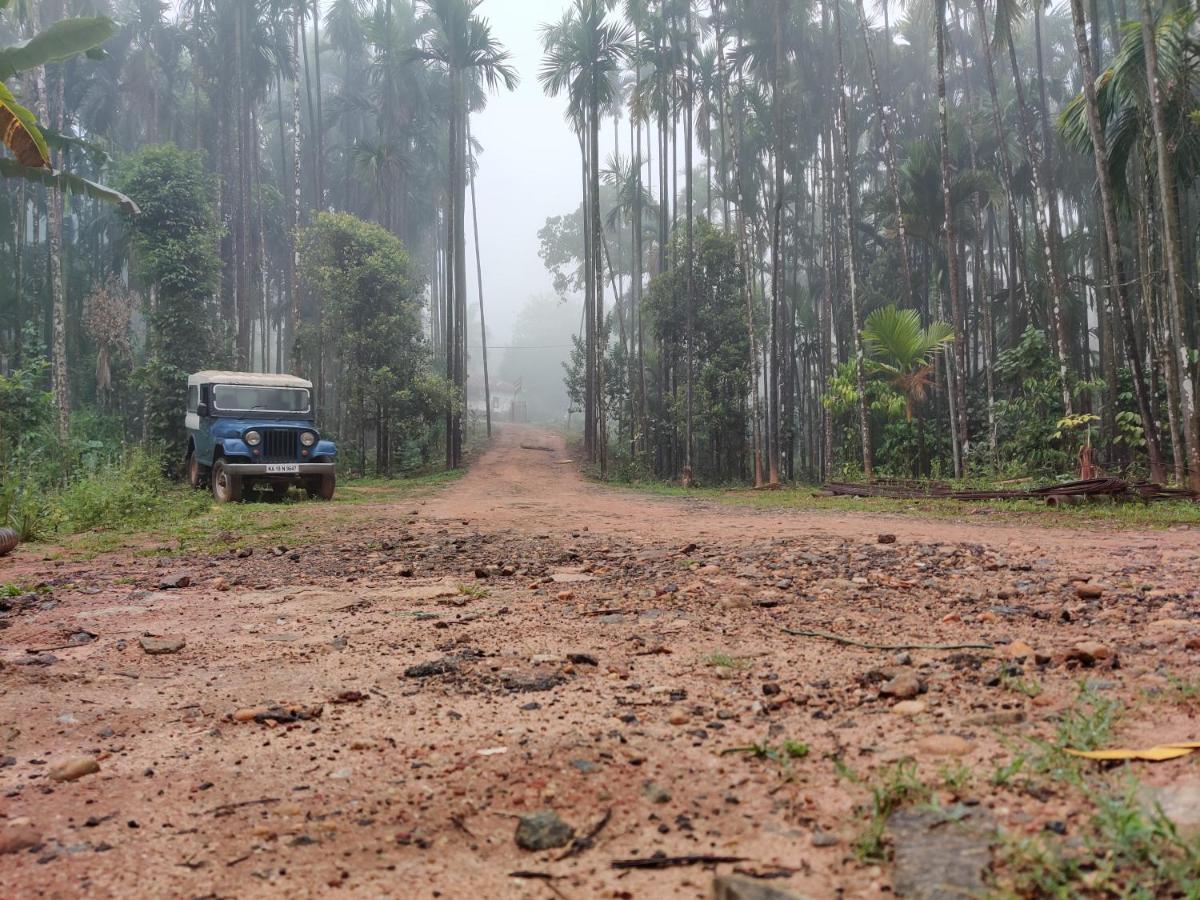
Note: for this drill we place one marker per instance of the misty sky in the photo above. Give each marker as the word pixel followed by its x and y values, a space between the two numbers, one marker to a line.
pixel 529 169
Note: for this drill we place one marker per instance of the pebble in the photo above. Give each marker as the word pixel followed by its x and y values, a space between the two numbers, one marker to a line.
pixel 1089 652
pixel 904 686
pixel 74 768
pixel 156 646
pixel 16 838
pixel 943 745
pixel 1089 591
pixel 909 708
pixel 174 582
pixel 1018 650
pixel 542 830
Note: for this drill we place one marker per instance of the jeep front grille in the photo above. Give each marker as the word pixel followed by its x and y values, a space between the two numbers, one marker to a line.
pixel 280 445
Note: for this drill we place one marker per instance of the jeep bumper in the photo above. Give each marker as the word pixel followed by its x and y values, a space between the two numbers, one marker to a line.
pixel 278 469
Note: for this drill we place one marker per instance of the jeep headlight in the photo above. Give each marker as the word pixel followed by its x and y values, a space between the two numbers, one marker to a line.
pixel 307 438
pixel 253 438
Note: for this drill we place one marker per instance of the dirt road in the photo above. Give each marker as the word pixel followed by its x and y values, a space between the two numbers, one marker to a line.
pixel 371 715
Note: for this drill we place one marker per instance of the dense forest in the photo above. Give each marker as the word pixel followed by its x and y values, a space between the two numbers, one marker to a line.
pixel 823 238
pixel 816 240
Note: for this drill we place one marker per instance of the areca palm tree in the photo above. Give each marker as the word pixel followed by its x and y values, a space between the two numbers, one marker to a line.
pixel 462 44
pixel 903 352
pixel 583 51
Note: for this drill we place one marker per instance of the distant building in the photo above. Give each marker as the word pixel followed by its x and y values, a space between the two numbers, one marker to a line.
pixel 507 403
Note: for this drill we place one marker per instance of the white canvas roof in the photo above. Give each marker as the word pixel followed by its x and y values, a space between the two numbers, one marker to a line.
pixel 260 379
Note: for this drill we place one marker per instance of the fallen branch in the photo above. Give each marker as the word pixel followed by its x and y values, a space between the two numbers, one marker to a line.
pixel 837 638
pixel 226 808
pixel 666 862
pixel 580 844
pixel 537 447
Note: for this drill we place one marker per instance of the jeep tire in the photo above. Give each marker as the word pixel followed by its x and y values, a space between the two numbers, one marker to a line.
pixel 320 487
pixel 226 487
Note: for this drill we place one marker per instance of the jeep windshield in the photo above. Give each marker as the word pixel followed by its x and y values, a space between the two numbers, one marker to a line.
pixel 251 398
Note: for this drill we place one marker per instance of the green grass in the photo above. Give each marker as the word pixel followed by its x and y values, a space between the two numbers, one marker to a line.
pixel 1131 514
pixel 178 518
pixel 474 591
pixel 893 788
pixel 723 660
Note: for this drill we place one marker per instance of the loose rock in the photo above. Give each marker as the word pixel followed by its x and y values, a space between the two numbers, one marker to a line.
pixel 156 646
pixel 543 830
pixel 74 768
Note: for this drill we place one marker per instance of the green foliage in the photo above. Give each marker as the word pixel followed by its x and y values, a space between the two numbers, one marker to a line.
pixel 893 788
pixel 59 41
pixel 175 242
pixel 1031 405
pixel 128 491
pixel 371 318
pixel 900 350
pixel 719 349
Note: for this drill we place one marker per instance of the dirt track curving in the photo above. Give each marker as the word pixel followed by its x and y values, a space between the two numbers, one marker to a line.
pixel 525 640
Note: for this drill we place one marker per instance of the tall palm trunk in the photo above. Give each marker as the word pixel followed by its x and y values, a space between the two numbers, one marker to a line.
pixel 847 180
pixel 777 269
pixel 487 387
pixel 1116 266
pixel 952 274
pixel 320 123
pixel 598 274
pixel 889 151
pixel 1046 231
pixel 1169 217
pixel 688 133
pixel 730 138
pixel 58 299
pixel 294 313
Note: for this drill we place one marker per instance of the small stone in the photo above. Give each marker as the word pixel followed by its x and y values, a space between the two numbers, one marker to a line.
pixel 909 708
pixel 886 538
pixel 679 718
pixel 156 646
pixel 173 582
pixel 743 887
pixel 543 830
pixel 1018 650
pixel 16 838
pixel 822 838
pixel 74 768
pixel 656 793
pixel 1089 652
pixel 1089 591
pixel 904 686
pixel 582 659
pixel 770 689
pixel 943 745
pixel 220 584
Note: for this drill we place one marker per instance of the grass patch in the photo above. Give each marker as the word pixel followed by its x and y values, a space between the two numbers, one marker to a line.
pixel 473 591
pixel 1123 850
pixel 107 515
pixel 893 788
pixel 1132 514
pixel 723 660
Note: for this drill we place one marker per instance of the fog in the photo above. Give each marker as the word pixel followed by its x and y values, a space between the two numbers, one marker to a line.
pixel 528 170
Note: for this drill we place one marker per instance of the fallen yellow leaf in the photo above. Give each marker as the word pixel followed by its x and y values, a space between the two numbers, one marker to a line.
pixel 1150 754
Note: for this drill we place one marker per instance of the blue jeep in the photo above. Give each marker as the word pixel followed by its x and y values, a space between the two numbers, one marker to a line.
pixel 247 429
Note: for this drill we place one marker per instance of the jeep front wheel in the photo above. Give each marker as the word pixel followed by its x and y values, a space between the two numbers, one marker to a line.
pixel 226 487
pixel 321 487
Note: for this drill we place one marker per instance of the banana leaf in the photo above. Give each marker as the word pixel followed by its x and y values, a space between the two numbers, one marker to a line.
pixel 60 41
pixel 19 132
pixel 65 181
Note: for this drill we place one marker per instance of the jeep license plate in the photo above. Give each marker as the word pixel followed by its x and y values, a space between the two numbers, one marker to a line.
pixel 283 468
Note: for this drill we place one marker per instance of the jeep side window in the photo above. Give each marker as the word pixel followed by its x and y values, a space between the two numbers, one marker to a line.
pixel 193 398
